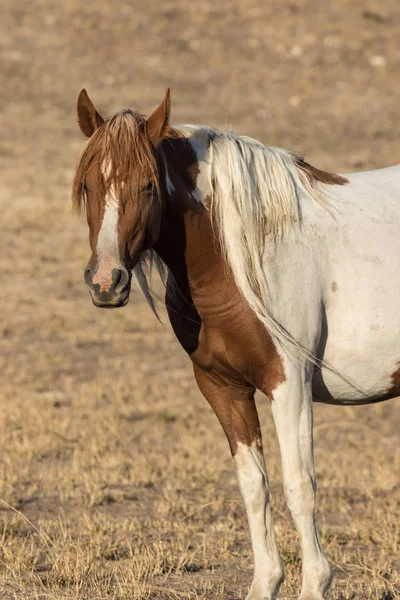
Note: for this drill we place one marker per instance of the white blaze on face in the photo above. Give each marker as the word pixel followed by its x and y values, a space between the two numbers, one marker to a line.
pixel 107 243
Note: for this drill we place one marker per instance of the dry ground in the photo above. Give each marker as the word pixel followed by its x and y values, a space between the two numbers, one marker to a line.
pixel 115 479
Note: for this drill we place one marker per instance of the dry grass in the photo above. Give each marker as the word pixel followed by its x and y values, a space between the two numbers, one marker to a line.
pixel 121 492
pixel 115 479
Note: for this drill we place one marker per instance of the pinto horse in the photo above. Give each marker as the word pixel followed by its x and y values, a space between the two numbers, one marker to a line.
pixel 279 277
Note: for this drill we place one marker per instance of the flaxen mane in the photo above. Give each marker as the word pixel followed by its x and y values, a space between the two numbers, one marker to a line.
pixel 255 195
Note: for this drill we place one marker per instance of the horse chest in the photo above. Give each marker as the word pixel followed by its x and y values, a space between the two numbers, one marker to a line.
pixel 236 348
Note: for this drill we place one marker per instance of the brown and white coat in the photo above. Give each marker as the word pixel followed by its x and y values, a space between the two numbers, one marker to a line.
pixel 281 278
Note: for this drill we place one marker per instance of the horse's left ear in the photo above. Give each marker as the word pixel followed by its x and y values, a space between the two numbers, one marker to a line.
pixel 157 124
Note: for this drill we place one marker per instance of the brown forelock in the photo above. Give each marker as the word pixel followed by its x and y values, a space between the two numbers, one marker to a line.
pixel 315 174
pixel 94 214
pixel 121 146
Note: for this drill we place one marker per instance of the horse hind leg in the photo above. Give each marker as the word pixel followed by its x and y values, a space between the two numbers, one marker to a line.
pixel 235 408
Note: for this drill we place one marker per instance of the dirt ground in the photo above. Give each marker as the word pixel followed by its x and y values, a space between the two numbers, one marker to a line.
pixel 115 478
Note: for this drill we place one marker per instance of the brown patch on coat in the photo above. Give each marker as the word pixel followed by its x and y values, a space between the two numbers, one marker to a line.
pixel 234 348
pixel 235 353
pixel 315 174
pixel 334 286
pixel 233 345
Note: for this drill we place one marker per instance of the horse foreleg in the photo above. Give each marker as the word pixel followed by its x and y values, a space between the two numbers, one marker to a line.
pixel 292 412
pixel 235 408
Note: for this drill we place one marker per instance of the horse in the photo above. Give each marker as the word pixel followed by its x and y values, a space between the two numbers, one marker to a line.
pixel 279 277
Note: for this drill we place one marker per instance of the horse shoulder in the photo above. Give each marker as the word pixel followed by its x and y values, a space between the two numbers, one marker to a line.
pixel 233 343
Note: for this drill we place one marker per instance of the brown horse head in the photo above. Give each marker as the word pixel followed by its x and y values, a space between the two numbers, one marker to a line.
pixel 117 185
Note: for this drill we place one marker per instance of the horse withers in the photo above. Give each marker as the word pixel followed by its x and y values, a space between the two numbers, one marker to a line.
pixel 279 277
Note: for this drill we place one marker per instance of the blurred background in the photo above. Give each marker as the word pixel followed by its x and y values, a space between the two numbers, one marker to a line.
pixel 115 479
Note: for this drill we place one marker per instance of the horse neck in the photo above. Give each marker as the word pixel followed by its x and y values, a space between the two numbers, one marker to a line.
pixel 186 242
pixel 171 242
pixel 187 245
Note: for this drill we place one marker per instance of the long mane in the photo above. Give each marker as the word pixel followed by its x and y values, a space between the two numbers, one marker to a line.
pixel 255 195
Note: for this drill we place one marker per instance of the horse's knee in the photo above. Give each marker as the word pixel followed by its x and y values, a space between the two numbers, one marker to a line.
pixel 252 478
pixel 300 495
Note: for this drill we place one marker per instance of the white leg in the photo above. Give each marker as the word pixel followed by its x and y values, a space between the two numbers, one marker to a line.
pixel 253 483
pixel 292 411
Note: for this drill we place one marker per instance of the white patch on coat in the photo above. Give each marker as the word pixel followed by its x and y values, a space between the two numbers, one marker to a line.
pixel 356 329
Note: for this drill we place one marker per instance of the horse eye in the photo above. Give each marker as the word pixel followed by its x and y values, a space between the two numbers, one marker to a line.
pixel 148 187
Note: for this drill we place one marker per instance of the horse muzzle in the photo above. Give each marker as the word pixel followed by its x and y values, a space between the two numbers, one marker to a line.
pixel 111 291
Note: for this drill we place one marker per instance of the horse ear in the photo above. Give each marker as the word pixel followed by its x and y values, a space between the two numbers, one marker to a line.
pixel 88 118
pixel 157 124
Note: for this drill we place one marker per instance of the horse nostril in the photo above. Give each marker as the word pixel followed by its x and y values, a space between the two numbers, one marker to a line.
pixel 120 279
pixel 88 275
pixel 116 276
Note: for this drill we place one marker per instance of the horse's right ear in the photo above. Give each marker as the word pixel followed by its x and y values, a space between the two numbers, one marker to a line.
pixel 158 123
pixel 88 118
